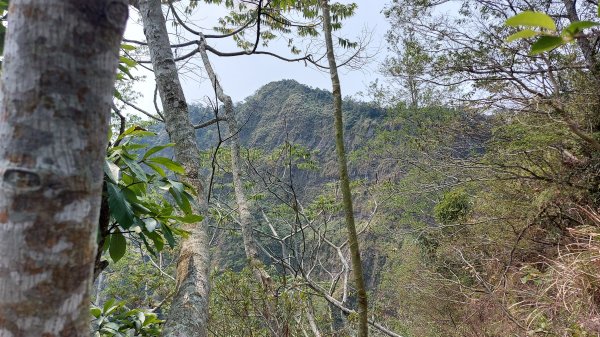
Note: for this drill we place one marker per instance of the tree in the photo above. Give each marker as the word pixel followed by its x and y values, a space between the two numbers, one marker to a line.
pixel 361 291
pixel 57 84
pixel 189 311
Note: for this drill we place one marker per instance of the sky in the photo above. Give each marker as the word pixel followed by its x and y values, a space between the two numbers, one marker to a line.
pixel 241 76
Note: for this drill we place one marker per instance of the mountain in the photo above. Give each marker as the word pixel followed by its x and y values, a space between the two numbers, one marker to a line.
pixel 289 111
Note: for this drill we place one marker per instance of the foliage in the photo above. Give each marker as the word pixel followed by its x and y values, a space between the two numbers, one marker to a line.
pixel 454 206
pixel 115 319
pixel 550 38
pixel 140 280
pixel 136 182
pixel 238 303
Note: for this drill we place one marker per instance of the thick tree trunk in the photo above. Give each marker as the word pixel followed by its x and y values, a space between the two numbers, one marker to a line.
pixel 361 292
pixel 189 311
pixel 57 83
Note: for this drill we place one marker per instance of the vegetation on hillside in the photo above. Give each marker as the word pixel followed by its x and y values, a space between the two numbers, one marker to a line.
pixel 472 181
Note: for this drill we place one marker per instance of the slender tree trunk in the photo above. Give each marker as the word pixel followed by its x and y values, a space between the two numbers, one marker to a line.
pixel 188 315
pixel 363 329
pixel 57 82
pixel 240 195
pixel 250 247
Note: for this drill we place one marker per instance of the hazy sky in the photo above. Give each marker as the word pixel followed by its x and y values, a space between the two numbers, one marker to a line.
pixel 241 76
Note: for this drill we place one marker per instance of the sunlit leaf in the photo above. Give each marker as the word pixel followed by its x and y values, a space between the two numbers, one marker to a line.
pixel 532 19
pixel 522 35
pixel 545 43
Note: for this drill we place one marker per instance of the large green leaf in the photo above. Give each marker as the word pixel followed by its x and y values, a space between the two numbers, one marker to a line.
pixel 578 26
pixel 168 163
pixel 546 43
pixel 118 246
pixel 155 149
pixel 522 35
pixel 119 207
pixel 532 19
pixel 157 168
pixel 137 170
pixel 96 312
pixel 135 131
pixel 158 241
pixel 189 218
pixel 168 235
pixel 182 198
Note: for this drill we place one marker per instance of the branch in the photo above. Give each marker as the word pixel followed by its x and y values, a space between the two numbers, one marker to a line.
pixel 210 122
pixel 141 110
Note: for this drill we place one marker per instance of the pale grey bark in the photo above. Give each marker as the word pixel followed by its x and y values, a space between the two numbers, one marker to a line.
pixel 57 82
pixel 245 217
pixel 240 196
pixel 188 315
pixel 361 292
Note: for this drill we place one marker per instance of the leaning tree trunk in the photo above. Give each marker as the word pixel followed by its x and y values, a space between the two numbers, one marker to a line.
pixel 363 329
pixel 57 83
pixel 188 315
pixel 250 247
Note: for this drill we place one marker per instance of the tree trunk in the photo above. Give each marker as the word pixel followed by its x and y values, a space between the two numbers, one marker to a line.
pixel 57 84
pixel 361 292
pixel 240 196
pixel 243 205
pixel 188 315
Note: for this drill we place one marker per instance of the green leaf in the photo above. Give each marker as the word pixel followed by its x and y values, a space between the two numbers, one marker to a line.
pixel 578 26
pixel 125 71
pixel 168 235
pixel 522 35
pixel 129 62
pixel 189 218
pixel 169 164
pixel 109 306
pixel 156 168
pixel 135 131
pixel 159 243
pixel 155 149
pixel 120 209
pixel 127 47
pixel 118 245
pixel 96 312
pixel 136 169
pixel 146 244
pixel 532 19
pixel 545 43
pixel 181 198
pixel 111 170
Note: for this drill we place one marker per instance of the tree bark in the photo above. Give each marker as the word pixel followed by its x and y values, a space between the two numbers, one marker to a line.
pixel 188 315
pixel 363 329
pixel 240 196
pixel 57 84
pixel 243 205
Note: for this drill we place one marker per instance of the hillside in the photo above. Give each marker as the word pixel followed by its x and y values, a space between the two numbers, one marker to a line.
pixel 289 111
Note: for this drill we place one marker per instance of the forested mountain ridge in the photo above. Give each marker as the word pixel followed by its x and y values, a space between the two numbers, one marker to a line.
pixel 287 110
